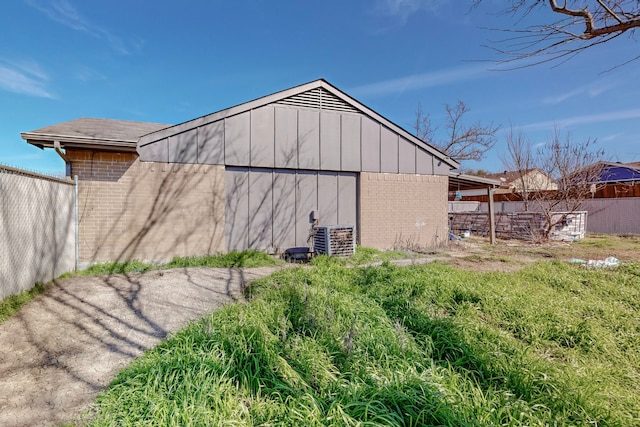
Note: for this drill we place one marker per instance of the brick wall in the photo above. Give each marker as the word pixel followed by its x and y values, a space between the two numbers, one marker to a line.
pixel 147 211
pixel 402 210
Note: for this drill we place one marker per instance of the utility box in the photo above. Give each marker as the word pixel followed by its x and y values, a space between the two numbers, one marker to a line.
pixel 334 240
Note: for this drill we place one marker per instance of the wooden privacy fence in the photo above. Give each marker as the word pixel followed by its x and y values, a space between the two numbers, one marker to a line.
pixel 520 225
pixel 37 229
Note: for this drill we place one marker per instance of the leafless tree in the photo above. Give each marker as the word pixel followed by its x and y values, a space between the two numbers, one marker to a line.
pixel 519 158
pixel 463 142
pixel 578 25
pixel 575 167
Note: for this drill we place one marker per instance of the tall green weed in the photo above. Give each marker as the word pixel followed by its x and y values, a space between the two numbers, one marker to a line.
pixel 554 344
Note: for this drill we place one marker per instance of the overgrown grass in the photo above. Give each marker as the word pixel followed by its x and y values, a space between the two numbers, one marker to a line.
pixel 364 255
pixel 11 304
pixel 114 267
pixel 245 259
pixel 552 344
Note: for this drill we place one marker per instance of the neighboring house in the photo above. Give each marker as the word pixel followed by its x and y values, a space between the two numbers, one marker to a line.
pixel 511 182
pixel 525 181
pixel 615 205
pixel 616 179
pixel 255 175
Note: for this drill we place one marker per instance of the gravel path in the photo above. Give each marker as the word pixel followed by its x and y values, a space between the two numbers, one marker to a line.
pixel 66 345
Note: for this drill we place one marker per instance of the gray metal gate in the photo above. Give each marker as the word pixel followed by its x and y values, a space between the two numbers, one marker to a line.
pixel 269 209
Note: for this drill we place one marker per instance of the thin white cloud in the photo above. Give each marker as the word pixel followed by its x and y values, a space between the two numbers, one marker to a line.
pixel 539 145
pixel 87 74
pixel 612 137
pixel 589 118
pixel 402 9
pixel 25 78
pixel 590 91
pixel 65 13
pixel 421 81
pixel 387 15
pixel 557 99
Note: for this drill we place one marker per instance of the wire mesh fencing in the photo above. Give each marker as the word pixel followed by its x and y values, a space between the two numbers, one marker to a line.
pixel 37 229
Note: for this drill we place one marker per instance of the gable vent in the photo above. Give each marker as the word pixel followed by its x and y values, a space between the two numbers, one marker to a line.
pixel 318 98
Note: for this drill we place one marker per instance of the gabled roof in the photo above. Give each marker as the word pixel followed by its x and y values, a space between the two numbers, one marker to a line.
pixel 316 94
pixel 92 133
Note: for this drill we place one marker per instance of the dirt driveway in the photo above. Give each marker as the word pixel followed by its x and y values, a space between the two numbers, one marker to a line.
pixel 65 346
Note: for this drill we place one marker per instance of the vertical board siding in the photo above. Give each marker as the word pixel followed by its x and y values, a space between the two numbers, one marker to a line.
pixel 370 145
pixel 155 152
pixel 237 209
pixel 309 139
pixel 406 157
pixel 424 162
pixel 237 131
pixel 347 199
pixel 284 209
pixel 183 148
pixel 211 143
pixel 440 167
pixel 286 138
pixel 351 142
pixel 269 209
pixel 388 151
pixel 260 209
pixel 327 198
pixel 329 141
pixel 262 137
pixel 306 202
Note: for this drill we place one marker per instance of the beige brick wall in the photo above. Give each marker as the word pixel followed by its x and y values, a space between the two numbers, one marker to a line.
pixel 147 211
pixel 402 210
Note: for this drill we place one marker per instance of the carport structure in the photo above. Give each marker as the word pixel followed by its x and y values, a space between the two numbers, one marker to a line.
pixel 460 181
pixel 254 176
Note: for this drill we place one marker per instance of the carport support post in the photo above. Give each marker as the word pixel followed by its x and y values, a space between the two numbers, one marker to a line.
pixel 492 221
pixel 76 220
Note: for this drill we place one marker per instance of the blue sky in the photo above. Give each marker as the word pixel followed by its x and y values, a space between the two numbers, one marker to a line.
pixel 167 62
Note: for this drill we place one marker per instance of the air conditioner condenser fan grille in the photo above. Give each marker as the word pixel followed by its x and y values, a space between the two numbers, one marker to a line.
pixel 334 240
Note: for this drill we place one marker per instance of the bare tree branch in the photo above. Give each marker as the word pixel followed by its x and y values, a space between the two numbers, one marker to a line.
pixel 422 127
pixel 463 142
pixel 519 158
pixel 583 24
pixel 575 167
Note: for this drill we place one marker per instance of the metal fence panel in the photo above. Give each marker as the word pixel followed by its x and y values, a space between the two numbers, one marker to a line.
pixel 606 215
pixel 614 216
pixel 37 229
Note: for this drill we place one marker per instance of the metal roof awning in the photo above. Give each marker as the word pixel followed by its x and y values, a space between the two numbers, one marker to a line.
pixel 461 181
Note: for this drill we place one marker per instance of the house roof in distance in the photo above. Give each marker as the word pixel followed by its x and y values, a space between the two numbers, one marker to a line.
pixel 617 172
pixel 105 134
pixel 508 177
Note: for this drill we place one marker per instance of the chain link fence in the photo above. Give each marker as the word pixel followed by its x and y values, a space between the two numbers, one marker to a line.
pixel 37 229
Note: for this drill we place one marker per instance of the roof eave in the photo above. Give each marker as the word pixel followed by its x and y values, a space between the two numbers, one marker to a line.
pixel 48 141
pixel 474 182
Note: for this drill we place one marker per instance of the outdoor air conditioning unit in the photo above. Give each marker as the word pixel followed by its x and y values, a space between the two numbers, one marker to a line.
pixel 334 240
